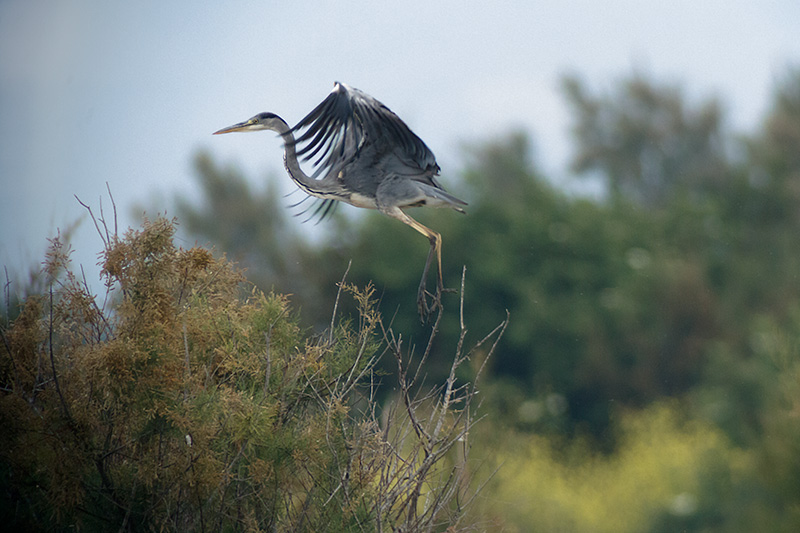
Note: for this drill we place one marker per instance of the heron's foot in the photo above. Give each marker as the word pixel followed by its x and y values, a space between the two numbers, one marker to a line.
pixel 428 302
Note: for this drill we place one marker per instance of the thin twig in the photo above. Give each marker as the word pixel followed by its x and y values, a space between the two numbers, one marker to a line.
pixel 64 405
pixel 428 347
pixel 461 299
pixel 7 292
pixel 114 206
pixel 336 302
pixel 500 331
pixel 124 526
pixel 268 356
pixel 187 361
pixel 94 220
pixel 109 330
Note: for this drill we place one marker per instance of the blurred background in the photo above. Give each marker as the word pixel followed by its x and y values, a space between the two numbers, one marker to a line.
pixel 633 174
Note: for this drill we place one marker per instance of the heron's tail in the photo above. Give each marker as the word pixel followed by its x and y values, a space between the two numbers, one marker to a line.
pixel 438 197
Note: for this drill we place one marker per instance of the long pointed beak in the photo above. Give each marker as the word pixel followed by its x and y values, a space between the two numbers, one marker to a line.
pixel 236 127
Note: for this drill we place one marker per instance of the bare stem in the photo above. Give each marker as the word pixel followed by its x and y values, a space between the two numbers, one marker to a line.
pixel 336 302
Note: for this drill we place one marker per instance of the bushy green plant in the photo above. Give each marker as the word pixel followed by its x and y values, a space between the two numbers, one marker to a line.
pixel 664 467
pixel 181 402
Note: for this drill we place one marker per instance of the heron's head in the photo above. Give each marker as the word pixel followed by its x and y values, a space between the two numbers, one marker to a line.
pixel 262 121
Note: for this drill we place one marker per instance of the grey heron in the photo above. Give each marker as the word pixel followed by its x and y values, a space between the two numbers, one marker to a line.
pixel 364 155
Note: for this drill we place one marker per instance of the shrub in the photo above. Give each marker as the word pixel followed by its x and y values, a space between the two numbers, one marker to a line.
pixel 180 401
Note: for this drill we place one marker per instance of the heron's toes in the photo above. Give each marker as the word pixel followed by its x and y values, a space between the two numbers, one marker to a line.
pixel 428 303
pixel 423 311
pixel 422 305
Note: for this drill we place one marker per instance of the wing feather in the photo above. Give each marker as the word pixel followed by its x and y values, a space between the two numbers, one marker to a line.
pixel 347 122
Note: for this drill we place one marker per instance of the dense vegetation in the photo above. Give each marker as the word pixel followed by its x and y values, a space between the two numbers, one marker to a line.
pixel 649 377
pixel 177 403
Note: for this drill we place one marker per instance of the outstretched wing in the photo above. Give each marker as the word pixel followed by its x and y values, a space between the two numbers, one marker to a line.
pixel 346 123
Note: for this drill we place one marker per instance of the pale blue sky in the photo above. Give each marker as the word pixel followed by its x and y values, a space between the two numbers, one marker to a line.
pixel 126 93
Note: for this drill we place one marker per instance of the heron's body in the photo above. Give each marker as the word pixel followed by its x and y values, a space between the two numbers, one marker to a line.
pixel 363 155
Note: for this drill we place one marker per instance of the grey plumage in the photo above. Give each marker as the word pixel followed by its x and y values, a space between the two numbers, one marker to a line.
pixel 364 155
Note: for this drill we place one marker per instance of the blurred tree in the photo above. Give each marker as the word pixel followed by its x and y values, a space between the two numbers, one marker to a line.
pixel 763 213
pixel 645 141
pixel 603 311
pixel 778 447
pixel 757 258
pixel 249 225
pixel 775 152
pixel 252 228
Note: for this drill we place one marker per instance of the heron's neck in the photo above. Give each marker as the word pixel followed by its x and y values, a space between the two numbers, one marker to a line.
pixel 310 185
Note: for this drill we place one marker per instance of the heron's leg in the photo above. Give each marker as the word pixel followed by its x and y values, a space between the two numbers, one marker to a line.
pixel 436 248
pixel 422 294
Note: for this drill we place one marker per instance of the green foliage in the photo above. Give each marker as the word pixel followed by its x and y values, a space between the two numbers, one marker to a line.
pixel 181 404
pixel 605 305
pixel 665 470
pixel 779 450
pixel 755 397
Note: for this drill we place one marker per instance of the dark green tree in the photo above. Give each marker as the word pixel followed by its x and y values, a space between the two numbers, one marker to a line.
pixel 646 142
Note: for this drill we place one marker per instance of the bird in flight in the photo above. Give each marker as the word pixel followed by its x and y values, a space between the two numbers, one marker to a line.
pixel 364 155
